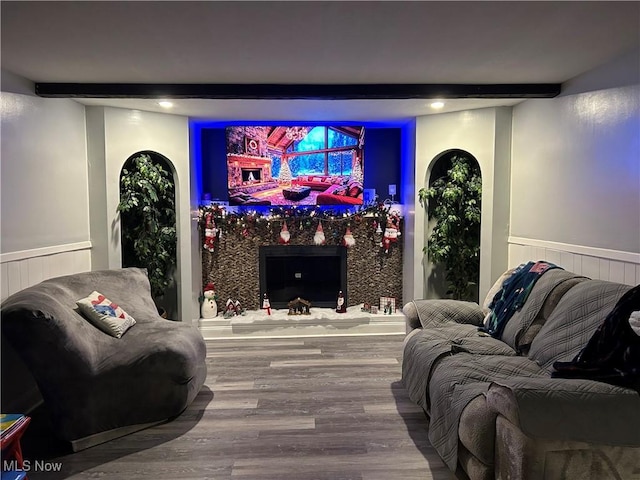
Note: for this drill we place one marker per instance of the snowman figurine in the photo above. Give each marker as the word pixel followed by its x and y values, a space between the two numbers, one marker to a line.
pixel 209 308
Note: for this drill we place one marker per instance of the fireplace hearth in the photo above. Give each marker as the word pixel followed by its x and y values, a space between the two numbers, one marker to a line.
pixel 315 273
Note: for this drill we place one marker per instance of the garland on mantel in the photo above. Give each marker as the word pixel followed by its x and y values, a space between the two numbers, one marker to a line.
pixel 278 223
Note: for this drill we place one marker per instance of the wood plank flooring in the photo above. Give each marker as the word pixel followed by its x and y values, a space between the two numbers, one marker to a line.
pixel 326 408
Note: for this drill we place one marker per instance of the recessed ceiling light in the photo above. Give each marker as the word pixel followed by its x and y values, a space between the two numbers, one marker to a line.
pixel 437 105
pixel 165 104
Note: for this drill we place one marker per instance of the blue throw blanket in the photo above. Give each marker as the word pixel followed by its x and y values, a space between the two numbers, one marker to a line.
pixel 514 292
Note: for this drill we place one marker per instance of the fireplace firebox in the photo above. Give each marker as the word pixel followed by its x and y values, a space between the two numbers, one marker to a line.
pixel 315 273
pixel 251 174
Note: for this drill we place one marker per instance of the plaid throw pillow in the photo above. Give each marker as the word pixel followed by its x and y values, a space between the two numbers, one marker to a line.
pixel 105 314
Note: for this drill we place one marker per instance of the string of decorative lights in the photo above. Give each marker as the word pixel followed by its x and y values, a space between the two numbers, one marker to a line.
pixel 380 224
pixel 301 216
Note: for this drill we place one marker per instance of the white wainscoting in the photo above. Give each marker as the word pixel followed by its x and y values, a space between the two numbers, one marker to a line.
pixel 596 263
pixel 22 269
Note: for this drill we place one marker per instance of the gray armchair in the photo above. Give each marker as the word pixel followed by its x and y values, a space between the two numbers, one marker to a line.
pixel 98 387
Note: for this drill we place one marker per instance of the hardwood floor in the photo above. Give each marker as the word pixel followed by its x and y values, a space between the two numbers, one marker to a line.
pixel 296 408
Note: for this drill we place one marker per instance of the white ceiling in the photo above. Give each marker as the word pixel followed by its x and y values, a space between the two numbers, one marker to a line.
pixel 312 42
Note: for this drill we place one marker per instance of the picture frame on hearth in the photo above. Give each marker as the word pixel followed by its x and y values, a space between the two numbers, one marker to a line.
pixel 388 305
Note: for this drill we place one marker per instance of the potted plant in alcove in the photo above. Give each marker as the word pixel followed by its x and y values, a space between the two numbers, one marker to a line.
pixel 453 201
pixel 148 221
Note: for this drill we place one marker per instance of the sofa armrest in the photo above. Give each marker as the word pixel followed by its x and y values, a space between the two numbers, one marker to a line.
pixel 411 316
pixel 569 409
pixel 427 313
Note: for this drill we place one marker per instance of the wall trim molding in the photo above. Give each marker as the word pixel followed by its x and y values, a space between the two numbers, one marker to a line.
pixel 598 252
pixel 44 251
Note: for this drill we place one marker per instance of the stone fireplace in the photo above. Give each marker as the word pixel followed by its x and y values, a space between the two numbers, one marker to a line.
pixel 234 265
pixel 244 170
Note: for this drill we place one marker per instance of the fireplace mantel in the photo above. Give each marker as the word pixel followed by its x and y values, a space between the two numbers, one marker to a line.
pixel 248 160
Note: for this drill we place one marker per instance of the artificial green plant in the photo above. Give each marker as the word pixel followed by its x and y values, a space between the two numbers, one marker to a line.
pixel 453 201
pixel 148 221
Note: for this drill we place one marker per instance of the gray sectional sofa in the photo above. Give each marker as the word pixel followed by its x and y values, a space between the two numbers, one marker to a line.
pixel 98 387
pixel 496 412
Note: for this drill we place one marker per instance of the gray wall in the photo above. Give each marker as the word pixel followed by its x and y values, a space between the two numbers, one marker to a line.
pixel 575 167
pixel 559 174
pixel 44 188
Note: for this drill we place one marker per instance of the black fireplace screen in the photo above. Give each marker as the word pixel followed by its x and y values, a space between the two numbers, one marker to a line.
pixel 315 273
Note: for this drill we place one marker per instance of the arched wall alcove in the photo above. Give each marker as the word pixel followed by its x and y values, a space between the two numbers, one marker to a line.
pixel 435 273
pixel 486 135
pixel 168 300
pixel 114 135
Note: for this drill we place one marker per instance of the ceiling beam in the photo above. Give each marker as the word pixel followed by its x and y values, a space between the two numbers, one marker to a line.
pixel 262 91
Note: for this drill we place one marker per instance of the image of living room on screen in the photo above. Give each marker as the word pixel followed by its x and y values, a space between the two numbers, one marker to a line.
pixel 295 165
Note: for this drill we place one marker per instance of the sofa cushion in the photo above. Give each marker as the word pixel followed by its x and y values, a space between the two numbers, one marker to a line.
pixel 423 350
pixel 495 289
pixel 105 314
pixel 355 192
pixel 539 302
pixel 612 354
pixel 481 345
pixel 574 320
pixel 524 341
pixel 354 188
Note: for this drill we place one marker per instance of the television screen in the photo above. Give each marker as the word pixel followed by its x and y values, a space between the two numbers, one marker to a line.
pixel 290 165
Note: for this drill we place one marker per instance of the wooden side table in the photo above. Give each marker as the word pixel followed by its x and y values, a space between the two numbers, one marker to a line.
pixel 12 427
